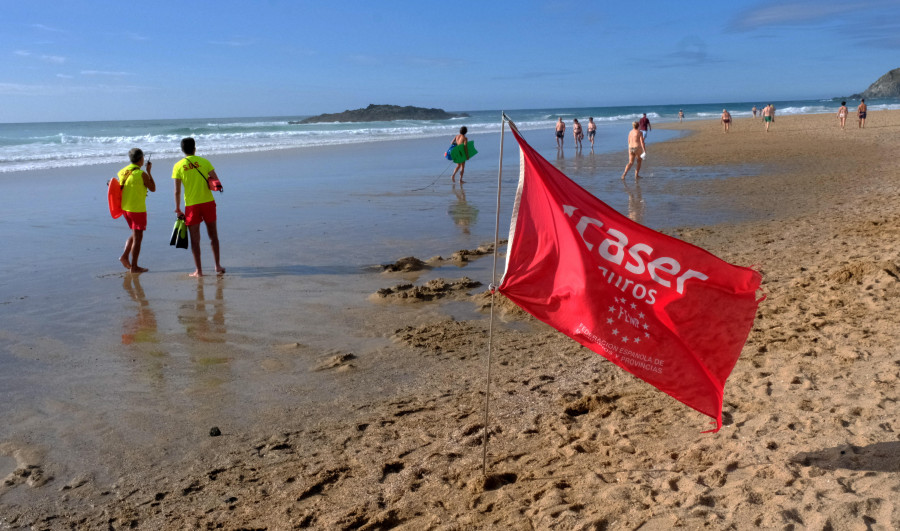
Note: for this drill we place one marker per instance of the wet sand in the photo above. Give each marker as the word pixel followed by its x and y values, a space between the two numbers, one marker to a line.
pixel 810 437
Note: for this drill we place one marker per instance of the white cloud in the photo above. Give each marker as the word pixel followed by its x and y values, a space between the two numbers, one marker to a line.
pixel 64 76
pixel 237 43
pixel 43 27
pixel 55 59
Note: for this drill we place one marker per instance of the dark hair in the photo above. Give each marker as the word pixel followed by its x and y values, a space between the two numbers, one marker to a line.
pixel 188 147
pixel 463 130
pixel 135 155
pixel 843 103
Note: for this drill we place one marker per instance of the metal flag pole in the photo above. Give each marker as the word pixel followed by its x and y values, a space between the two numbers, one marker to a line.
pixel 487 389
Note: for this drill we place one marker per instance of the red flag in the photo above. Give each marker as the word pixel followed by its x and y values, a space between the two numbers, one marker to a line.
pixel 666 311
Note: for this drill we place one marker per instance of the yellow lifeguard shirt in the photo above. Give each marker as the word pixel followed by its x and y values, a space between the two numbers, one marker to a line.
pixel 196 189
pixel 134 193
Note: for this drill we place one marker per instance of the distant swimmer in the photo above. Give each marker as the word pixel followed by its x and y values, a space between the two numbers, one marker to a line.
pixel 636 151
pixel 644 125
pixel 460 140
pixel 577 133
pixel 592 130
pixel 135 184
pixel 726 120
pixel 560 133
pixel 861 113
pixel 768 115
pixel 680 115
pixel 842 114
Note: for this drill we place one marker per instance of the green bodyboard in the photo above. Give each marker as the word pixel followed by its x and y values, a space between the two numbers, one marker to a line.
pixel 458 153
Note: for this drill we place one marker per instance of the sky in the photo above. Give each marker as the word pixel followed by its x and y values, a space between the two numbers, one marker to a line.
pixel 68 60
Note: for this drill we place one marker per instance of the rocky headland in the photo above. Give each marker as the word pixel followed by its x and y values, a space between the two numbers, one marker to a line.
pixel 887 86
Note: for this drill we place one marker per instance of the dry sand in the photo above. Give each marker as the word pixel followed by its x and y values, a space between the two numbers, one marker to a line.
pixel 811 437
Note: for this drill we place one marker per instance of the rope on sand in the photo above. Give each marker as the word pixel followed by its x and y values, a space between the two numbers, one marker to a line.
pixel 435 180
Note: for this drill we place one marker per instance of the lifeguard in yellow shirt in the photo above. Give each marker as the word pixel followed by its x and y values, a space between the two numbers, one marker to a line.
pixel 135 183
pixel 195 173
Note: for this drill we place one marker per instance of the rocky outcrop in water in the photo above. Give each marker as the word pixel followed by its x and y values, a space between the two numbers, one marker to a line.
pixel 383 113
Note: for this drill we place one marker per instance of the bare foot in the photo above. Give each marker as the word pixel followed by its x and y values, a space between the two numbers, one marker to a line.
pixel 125 263
pixel 196 274
pixel 136 269
pixel 220 270
pixel 461 181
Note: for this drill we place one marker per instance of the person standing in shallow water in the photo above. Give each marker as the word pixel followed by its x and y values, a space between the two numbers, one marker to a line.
pixel 460 140
pixel 560 132
pixel 135 184
pixel 193 173
pixel 578 133
pixel 636 148
pixel 592 131
pixel 726 120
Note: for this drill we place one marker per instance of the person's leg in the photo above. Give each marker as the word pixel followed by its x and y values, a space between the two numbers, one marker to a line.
pixel 137 237
pixel 628 166
pixel 125 254
pixel 453 176
pixel 637 168
pixel 194 232
pixel 213 233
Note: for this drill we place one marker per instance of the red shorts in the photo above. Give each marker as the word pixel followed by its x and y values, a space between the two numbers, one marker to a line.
pixel 194 214
pixel 136 220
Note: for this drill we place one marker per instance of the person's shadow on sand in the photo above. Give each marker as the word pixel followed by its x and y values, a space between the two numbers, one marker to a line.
pixel 877 457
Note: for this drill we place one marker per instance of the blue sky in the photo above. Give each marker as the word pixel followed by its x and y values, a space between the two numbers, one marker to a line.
pixel 105 60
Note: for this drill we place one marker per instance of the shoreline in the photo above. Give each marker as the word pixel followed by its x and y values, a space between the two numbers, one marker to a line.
pixel 575 441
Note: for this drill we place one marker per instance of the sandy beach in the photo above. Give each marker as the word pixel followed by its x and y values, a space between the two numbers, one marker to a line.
pixel 811 438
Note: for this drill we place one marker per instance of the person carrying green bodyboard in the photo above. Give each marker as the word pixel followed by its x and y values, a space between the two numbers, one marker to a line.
pixel 460 151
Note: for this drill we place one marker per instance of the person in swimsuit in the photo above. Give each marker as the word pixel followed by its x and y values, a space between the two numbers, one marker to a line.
pixel 726 120
pixel 636 148
pixel 577 133
pixel 592 130
pixel 753 110
pixel 842 114
pixel 460 140
pixel 560 133
pixel 680 115
pixel 861 113
pixel 768 114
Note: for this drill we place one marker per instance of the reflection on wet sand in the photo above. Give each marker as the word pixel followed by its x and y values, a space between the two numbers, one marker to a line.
pixel 140 328
pixel 463 214
pixel 200 324
pixel 636 205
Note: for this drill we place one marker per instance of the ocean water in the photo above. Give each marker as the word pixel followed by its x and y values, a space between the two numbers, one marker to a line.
pixel 36 146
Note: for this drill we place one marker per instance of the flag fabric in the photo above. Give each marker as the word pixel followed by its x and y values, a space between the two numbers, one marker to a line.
pixel 668 312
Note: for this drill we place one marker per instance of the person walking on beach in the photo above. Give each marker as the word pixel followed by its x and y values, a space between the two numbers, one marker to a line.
pixel 578 133
pixel 680 115
pixel 592 130
pixel 560 132
pixel 753 110
pixel 861 113
pixel 726 120
pixel 636 151
pixel 842 114
pixel 135 184
pixel 460 140
pixel 644 125
pixel 193 173
pixel 768 115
